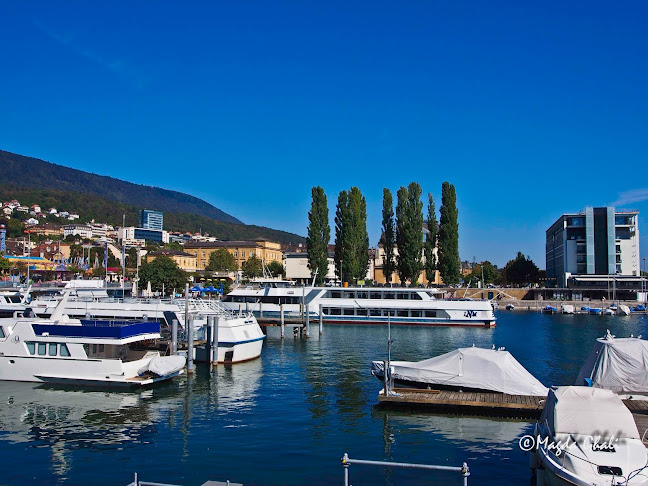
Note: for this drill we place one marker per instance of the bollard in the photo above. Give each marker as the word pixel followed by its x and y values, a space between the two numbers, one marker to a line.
pixel 321 320
pixel 190 347
pixel 216 323
pixel 174 336
pixel 282 321
pixel 307 322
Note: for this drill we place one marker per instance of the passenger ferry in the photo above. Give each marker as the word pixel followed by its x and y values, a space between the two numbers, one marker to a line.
pixel 360 305
pixel 83 352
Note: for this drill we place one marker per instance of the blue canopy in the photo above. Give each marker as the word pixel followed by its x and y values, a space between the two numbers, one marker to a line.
pixel 196 289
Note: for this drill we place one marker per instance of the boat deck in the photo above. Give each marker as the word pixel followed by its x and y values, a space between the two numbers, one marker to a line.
pixel 494 404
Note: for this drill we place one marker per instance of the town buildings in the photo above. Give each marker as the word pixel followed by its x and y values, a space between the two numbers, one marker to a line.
pixel 585 248
pixel 241 250
pixel 151 220
pixel 186 261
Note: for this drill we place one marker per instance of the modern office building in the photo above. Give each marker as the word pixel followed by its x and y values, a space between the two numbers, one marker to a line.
pixel 594 242
pixel 151 220
pixel 131 233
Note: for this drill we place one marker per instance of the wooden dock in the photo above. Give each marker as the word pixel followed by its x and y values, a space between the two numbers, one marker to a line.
pixel 493 404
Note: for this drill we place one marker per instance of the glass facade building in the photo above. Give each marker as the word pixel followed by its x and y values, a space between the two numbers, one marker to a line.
pixel 153 220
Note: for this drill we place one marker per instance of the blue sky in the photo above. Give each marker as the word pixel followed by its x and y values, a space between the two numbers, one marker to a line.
pixel 529 110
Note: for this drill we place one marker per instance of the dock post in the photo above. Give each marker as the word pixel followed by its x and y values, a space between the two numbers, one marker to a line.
pixel 307 322
pixel 321 321
pixel 260 310
pixel 208 341
pixel 214 348
pixel 386 378
pixel 174 336
pixel 190 347
pixel 282 321
pixel 345 465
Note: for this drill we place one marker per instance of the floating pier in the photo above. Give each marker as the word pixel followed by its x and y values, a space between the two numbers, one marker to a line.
pixel 493 404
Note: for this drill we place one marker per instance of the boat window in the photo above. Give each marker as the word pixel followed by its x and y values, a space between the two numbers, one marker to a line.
pixel 389 295
pixel 430 313
pixel 348 311
pixel 361 312
pixel 2 334
pixel 101 348
pixel 31 347
pixel 363 295
pixel 403 313
pixel 389 312
pixel 375 295
pixel 64 351
pixel 402 295
pixel 94 349
pixel 348 294
pixel 86 348
pixel 416 313
pixel 375 312
pixel 53 351
pixel 42 349
pixel 416 296
pixel 334 311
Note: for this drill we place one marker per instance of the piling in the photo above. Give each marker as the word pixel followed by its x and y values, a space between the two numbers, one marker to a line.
pixel 307 322
pixel 214 336
pixel 190 346
pixel 282 321
pixel 260 309
pixel 208 341
pixel 174 336
pixel 321 320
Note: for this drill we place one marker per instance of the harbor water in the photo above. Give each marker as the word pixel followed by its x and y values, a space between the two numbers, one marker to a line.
pixel 288 417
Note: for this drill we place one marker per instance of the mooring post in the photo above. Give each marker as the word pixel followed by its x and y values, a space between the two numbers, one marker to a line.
pixel 345 465
pixel 216 324
pixel 260 310
pixel 465 472
pixel 174 336
pixel 208 341
pixel 386 378
pixel 190 347
pixel 282 321
pixel 307 321
pixel 321 320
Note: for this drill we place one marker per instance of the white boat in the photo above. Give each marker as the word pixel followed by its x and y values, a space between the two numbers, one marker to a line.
pixel 608 312
pixel 86 352
pixel 623 310
pixel 617 364
pixel 240 336
pixel 360 305
pixel 567 308
pixel 12 301
pixel 466 369
pixel 587 437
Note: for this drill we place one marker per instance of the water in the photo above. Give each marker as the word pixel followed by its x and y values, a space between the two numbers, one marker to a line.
pixel 288 417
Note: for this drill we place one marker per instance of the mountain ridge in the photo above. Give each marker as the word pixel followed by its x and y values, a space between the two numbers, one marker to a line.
pixel 46 175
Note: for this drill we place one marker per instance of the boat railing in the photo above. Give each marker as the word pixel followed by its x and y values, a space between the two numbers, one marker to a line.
pixel 203 307
pixel 347 461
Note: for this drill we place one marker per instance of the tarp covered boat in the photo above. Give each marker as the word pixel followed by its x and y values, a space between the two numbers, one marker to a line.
pixel 467 369
pixel 617 364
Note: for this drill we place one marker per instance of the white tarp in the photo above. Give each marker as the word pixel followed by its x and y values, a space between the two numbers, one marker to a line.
pixel 485 369
pixel 620 365
pixel 588 411
pixel 164 365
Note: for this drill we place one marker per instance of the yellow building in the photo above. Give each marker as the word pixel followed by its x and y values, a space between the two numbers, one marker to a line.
pixel 186 261
pixel 265 250
pixel 376 263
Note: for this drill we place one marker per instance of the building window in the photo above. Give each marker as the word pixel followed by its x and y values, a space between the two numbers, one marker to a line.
pixel 204 254
pixel 235 254
pixel 242 253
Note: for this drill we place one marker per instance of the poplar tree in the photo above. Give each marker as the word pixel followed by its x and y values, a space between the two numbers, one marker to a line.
pixel 341 223
pixel 431 241
pixel 387 237
pixel 351 238
pixel 449 263
pixel 409 232
pixel 319 234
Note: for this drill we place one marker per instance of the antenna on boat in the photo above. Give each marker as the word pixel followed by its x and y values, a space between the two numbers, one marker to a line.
pixel 60 307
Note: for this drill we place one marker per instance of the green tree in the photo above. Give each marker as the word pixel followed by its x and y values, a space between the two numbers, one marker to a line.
pixel 221 260
pixel 252 267
pixel 485 270
pixel 431 240
pixel 319 234
pixel 276 268
pixel 448 245
pixel 387 237
pixel 351 238
pixel 409 232
pixel 131 258
pixel 173 245
pixel 521 270
pixel 162 271
pixel 341 225
pixel 5 265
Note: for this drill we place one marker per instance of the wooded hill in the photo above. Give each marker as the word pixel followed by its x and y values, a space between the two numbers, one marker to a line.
pixel 21 171
pixel 89 206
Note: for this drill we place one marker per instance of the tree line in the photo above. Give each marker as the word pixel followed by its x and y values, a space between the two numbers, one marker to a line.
pixel 406 252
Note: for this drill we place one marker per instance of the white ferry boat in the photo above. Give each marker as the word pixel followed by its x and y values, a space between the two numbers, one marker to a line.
pixel 360 305
pixel 83 352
